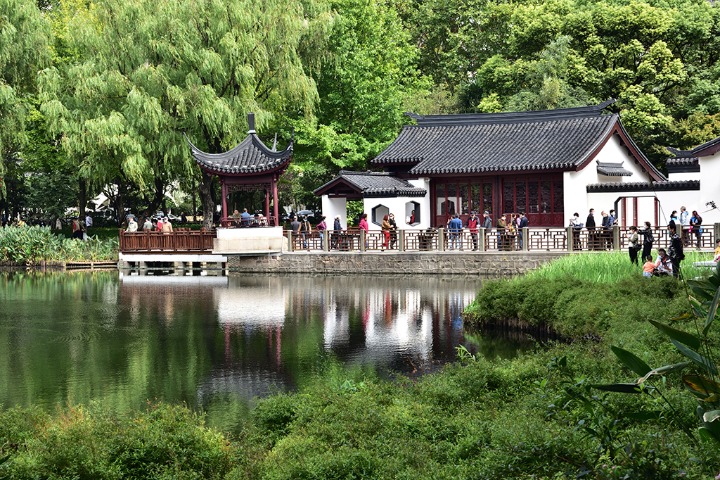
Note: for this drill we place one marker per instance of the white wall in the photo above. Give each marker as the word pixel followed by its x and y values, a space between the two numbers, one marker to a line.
pixel 709 188
pixel 331 207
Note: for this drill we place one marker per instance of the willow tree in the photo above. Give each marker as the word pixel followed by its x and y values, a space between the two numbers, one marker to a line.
pixel 151 70
pixel 24 34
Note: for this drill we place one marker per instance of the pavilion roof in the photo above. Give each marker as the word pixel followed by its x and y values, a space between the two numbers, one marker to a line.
pixel 562 139
pixel 250 157
pixel 706 149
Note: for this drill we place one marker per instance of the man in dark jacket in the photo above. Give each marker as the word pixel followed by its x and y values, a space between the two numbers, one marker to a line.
pixel 675 252
pixel 523 223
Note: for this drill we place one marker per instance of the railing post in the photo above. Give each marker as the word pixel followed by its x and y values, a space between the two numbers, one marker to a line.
pixel 525 232
pixel 326 241
pixel 401 240
pixel 481 239
pixel 441 240
pixel 570 238
pixel 362 240
pixel 616 237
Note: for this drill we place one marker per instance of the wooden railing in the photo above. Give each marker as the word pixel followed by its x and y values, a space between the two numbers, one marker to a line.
pixel 181 240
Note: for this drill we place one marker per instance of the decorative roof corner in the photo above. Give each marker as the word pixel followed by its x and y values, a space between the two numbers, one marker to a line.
pixel 612 169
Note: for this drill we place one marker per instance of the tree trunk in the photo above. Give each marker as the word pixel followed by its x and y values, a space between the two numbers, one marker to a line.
pixel 208 205
pixel 82 199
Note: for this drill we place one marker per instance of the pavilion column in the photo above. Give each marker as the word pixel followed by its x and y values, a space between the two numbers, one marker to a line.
pixel 275 200
pixel 224 201
pixel 267 201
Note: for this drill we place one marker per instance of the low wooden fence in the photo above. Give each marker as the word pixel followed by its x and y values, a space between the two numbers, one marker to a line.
pixel 180 240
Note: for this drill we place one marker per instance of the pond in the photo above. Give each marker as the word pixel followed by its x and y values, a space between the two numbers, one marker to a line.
pixel 216 342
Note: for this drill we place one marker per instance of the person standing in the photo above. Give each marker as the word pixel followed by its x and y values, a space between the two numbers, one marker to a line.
pixel 648 240
pixel 321 228
pixel 675 252
pixel 385 227
pixel 363 225
pixel 501 226
pixel 576 226
pixel 393 231
pixel 295 227
pixel 685 222
pixel 522 224
pixel 166 225
pixel 147 226
pixel 337 228
pixel 487 226
pixel 696 227
pixel 454 229
pixel 472 225
pixel 131 228
pixel 305 231
pixel 633 245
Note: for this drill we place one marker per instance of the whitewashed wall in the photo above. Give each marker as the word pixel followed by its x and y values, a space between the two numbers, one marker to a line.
pixel 331 207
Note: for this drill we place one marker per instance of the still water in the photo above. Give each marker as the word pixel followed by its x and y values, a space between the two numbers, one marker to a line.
pixel 216 342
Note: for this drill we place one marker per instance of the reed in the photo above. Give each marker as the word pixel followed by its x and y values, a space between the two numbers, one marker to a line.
pixel 610 267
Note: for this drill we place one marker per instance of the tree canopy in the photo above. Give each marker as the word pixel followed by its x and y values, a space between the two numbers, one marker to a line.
pixel 109 88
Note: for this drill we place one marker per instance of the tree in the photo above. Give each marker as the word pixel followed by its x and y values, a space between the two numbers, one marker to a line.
pixel 148 71
pixel 24 34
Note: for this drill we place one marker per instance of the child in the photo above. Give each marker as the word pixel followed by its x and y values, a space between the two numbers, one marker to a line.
pixel 648 267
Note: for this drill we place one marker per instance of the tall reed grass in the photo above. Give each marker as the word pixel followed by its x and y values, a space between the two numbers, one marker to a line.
pixel 33 245
pixel 610 267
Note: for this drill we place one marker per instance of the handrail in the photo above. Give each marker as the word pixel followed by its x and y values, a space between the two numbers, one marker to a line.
pixel 180 240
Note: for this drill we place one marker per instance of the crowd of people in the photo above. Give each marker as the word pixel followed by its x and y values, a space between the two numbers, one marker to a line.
pixel 149 225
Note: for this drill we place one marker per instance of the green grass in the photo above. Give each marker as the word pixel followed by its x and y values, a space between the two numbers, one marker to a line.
pixel 609 267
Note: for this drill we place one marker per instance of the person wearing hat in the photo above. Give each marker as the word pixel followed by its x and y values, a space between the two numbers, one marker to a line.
pixel 132 225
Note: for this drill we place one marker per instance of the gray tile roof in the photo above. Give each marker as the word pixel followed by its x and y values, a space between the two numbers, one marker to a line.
pixel 612 169
pixel 561 139
pixel 372 184
pixel 675 185
pixel 249 157
pixel 706 149
pixel 679 165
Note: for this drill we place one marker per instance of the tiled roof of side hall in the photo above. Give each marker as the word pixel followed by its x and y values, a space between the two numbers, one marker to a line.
pixel 666 185
pixel 706 149
pixel 249 157
pixel 503 142
pixel 373 184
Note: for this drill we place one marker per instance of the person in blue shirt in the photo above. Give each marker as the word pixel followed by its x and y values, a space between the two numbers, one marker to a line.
pixel 245 218
pixel 455 226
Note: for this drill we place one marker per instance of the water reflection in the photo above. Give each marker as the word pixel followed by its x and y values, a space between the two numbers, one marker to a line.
pixel 212 341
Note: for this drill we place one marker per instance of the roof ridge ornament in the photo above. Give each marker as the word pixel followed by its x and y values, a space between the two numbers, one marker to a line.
pixel 251 123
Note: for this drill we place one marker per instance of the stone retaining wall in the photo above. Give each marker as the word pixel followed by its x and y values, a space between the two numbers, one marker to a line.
pixel 416 263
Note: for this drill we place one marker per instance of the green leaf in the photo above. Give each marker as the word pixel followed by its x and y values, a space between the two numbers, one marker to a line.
pixel 620 387
pixel 703 362
pixel 712 311
pixel 688 339
pixel 631 361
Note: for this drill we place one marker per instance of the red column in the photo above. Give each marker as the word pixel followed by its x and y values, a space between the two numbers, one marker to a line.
pixel 275 200
pixel 224 201
pixel 267 202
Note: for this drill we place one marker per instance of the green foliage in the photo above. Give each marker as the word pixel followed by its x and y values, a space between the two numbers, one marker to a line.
pixel 698 349
pixel 33 245
pixel 163 442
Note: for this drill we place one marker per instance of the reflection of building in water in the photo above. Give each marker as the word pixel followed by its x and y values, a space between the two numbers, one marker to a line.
pixel 163 294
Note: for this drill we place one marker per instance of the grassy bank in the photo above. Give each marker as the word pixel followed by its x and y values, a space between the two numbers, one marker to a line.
pixel 534 416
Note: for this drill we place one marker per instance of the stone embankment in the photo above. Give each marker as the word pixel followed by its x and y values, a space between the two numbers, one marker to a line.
pixel 386 263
